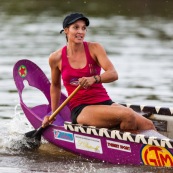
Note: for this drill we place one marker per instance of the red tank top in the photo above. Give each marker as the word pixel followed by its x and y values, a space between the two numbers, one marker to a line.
pixel 94 94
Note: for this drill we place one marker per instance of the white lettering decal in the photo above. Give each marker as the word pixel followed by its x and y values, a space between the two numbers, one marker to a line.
pixel 165 142
pixel 79 129
pixel 104 131
pixel 127 137
pixel 141 138
pixel 153 140
pixel 89 130
pixel 115 134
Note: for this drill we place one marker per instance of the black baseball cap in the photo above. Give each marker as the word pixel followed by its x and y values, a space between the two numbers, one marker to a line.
pixel 73 17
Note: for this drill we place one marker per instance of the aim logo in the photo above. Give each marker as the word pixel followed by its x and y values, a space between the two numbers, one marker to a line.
pixel 156 156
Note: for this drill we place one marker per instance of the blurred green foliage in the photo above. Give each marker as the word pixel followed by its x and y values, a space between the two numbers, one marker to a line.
pixel 89 7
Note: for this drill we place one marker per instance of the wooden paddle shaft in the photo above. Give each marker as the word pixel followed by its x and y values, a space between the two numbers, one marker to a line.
pixel 64 103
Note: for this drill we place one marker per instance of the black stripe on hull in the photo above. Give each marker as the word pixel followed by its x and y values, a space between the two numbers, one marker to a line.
pixel 151 109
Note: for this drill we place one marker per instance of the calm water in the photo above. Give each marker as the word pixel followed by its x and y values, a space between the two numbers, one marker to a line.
pixel 141 48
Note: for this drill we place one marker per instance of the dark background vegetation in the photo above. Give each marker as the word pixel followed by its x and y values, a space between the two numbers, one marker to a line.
pixel 89 7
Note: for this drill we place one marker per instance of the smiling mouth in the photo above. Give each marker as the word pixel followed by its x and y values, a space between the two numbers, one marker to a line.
pixel 79 37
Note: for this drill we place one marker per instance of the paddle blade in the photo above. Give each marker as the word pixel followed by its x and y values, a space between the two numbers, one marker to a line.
pixel 31 143
pixel 33 138
pixel 30 134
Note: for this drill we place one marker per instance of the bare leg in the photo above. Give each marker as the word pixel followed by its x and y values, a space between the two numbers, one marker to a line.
pixel 144 123
pixel 113 115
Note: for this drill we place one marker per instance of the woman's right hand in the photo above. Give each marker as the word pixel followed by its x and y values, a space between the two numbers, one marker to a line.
pixel 46 121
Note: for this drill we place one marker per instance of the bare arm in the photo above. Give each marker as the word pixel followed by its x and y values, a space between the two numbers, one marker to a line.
pixel 55 89
pixel 100 56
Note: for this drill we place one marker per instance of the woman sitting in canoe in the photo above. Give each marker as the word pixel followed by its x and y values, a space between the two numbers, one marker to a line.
pixel 80 62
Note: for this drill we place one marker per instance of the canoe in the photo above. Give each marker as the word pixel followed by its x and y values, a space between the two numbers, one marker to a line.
pixel 147 147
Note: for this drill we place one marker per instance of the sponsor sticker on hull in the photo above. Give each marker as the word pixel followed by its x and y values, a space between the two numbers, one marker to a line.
pixel 118 146
pixel 64 136
pixel 156 156
pixel 88 144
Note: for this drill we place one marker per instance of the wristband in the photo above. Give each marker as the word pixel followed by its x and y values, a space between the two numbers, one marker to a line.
pixel 100 79
pixel 96 80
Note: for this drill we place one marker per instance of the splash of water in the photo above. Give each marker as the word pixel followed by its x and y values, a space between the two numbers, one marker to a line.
pixel 13 140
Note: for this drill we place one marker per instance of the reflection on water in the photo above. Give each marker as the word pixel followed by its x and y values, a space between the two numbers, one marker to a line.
pixel 141 48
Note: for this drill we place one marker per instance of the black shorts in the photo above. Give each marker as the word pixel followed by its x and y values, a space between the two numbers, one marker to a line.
pixel 77 110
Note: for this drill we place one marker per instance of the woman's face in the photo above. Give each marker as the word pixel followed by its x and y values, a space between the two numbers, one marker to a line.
pixel 76 31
